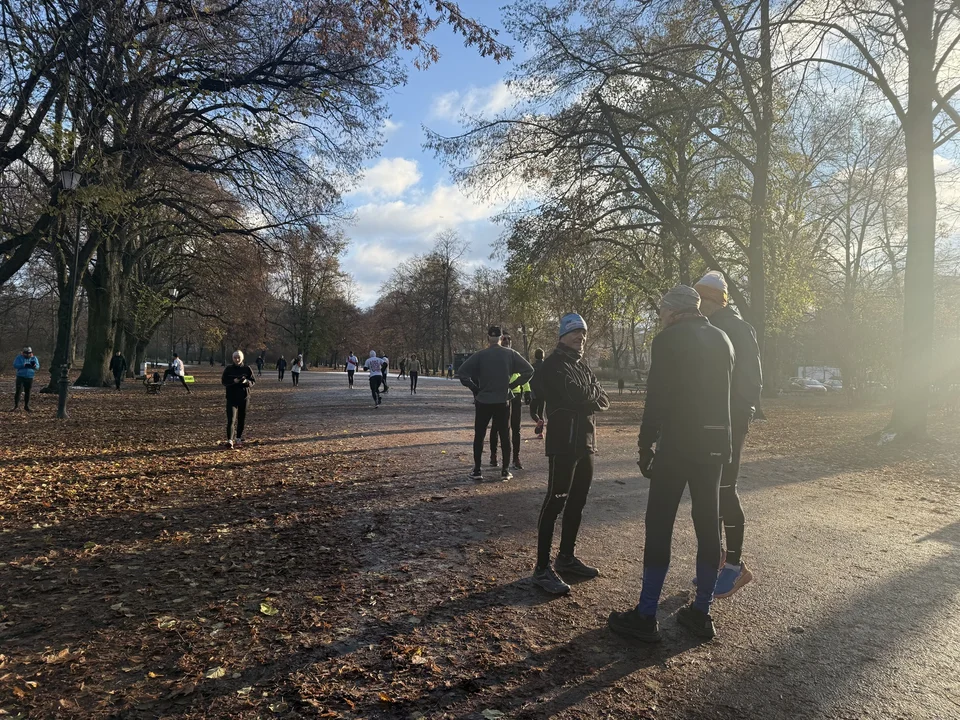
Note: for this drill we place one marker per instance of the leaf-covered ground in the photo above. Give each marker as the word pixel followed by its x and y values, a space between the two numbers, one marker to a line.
pixel 341 565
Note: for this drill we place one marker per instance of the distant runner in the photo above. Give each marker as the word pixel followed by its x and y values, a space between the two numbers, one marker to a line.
pixel 375 366
pixel 352 364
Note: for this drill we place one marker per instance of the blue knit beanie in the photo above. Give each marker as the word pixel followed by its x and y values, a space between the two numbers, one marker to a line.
pixel 571 322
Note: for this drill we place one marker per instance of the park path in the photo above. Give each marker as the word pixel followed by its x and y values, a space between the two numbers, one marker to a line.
pixel 401 588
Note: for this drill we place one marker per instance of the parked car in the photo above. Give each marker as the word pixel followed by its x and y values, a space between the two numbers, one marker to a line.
pixel 833 385
pixel 807 385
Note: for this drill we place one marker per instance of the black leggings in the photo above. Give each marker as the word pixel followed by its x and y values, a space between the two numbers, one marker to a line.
pixel 499 413
pixel 413 380
pixel 731 513
pixel 279 374
pixel 117 379
pixel 23 385
pixel 567 487
pixel 375 381
pixel 295 377
pixel 350 377
pixel 670 477
pixel 536 409
pixel 236 412
pixel 516 410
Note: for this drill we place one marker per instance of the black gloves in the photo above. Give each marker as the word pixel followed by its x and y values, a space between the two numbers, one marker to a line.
pixel 645 463
pixel 526 398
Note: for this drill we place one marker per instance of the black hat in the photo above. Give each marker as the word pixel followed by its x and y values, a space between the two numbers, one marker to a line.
pixel 494 331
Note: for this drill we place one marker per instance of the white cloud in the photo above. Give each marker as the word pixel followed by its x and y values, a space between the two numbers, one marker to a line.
pixel 385 234
pixel 484 101
pixel 390 177
pixel 390 127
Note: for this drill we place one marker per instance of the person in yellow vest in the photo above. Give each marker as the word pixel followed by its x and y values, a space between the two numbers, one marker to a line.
pixel 516 410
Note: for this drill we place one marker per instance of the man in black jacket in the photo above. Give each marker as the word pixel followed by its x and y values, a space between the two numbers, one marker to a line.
pixel 744 400
pixel 687 415
pixel 572 394
pixel 118 366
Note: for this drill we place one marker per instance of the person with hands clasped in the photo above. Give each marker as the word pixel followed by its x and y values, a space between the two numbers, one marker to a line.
pixel 687 416
pixel 237 379
pixel 572 395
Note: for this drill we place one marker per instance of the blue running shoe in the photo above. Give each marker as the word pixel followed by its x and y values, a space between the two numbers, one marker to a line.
pixel 731 579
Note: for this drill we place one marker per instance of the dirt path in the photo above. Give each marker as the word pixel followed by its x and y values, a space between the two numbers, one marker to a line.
pixel 343 566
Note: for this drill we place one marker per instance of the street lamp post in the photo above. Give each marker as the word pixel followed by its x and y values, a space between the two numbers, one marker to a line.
pixel 174 294
pixel 70 180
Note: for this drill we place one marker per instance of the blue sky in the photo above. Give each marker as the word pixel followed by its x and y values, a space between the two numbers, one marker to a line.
pixel 406 197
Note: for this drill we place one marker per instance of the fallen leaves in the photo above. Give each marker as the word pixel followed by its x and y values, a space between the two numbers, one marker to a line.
pixel 267 609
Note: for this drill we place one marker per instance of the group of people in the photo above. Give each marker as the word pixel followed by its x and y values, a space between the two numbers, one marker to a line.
pixel 295 368
pixel 703 389
pixel 378 368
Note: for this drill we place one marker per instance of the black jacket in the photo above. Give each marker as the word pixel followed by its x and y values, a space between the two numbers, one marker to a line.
pixel 687 410
pixel 118 364
pixel 572 394
pixel 237 391
pixel 747 373
pixel 281 364
pixel 537 367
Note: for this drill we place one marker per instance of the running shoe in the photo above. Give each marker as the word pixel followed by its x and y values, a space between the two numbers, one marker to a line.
pixel 572 565
pixel 539 429
pixel 632 624
pixel 723 561
pixel 547 579
pixel 697 621
pixel 230 444
pixel 732 578
pixel 239 441
pixel 476 474
pixel 506 475
pixel 516 464
pixel 493 461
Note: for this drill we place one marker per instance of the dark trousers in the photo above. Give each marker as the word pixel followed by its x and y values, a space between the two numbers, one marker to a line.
pixel 259 369
pixel 516 410
pixel 383 379
pixel 670 477
pixel 568 484
pixel 731 513
pixel 24 385
pixel 295 377
pixel 280 374
pixel 117 379
pixel 413 381
pixel 375 381
pixel 499 413
pixel 350 377
pixel 236 415
pixel 536 409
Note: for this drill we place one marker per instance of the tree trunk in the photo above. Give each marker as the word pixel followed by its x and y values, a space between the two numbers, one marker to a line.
pixel 103 312
pixel 912 395
pixel 64 321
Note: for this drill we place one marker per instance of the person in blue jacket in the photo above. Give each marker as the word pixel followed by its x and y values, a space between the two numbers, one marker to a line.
pixel 26 364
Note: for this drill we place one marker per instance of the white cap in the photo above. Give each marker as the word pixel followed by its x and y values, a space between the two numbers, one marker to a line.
pixel 714 279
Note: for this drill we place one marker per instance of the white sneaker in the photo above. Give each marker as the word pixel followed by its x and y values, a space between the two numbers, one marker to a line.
pixel 230 444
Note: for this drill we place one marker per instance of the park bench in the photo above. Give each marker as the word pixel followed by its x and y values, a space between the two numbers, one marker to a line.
pixel 638 387
pixel 153 388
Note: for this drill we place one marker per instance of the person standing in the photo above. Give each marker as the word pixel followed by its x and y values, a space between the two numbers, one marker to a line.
pixel 281 368
pixel 450 371
pixel 516 411
pixel 687 415
pixel 176 371
pixel 413 368
pixel 384 369
pixel 237 379
pixel 353 362
pixel 744 400
pixel 375 366
pixel 260 362
pixel 536 403
pixel 620 384
pixel 118 366
pixel 487 374
pixel 26 364
pixel 572 394
pixel 295 369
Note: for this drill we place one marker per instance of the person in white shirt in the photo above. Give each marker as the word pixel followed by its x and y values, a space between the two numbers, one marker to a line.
pixel 175 369
pixel 383 372
pixel 375 366
pixel 352 364
pixel 295 370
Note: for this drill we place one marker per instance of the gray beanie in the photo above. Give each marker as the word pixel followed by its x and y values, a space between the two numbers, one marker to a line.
pixel 571 322
pixel 682 298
